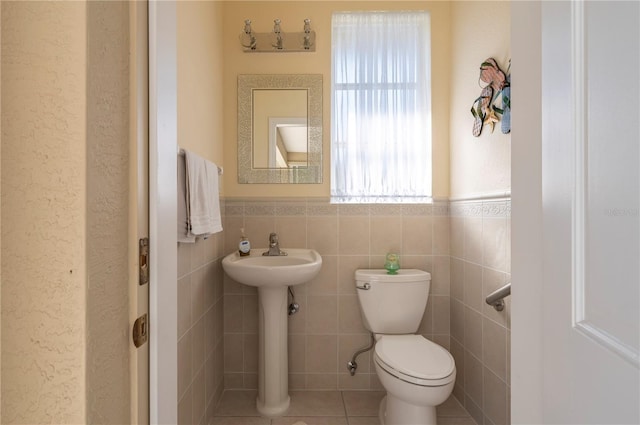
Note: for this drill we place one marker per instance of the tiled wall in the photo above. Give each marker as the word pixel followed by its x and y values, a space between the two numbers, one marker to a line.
pixel 480 335
pixel 200 331
pixel 328 329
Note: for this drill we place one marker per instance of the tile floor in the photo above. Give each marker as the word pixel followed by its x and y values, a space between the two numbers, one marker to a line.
pixel 237 407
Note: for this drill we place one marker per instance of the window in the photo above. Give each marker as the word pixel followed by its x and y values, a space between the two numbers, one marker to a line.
pixel 380 107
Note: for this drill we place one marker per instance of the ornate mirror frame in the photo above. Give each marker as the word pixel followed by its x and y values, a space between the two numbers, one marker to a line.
pixel 312 173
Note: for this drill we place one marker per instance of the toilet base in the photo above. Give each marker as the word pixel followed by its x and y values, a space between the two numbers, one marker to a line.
pixel 394 411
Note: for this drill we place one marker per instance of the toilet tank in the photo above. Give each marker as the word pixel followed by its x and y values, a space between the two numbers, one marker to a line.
pixel 392 304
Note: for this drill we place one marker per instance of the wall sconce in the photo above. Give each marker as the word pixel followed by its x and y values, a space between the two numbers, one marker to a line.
pixel 278 40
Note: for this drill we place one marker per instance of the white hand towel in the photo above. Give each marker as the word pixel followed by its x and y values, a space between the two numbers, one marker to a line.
pixel 203 199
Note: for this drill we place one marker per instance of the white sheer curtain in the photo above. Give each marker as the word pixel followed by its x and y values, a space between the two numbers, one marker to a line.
pixel 381 107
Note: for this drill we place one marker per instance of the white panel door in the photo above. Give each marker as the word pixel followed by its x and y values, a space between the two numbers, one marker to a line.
pixel 590 212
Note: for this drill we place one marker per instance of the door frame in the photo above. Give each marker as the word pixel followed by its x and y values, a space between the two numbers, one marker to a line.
pixel 163 308
pixel 526 209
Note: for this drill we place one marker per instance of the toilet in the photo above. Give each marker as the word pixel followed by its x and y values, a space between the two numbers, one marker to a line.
pixel 416 373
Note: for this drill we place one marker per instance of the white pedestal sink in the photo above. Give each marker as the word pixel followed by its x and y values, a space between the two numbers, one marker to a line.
pixel 272 275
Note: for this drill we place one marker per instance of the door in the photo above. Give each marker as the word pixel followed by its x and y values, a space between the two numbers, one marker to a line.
pixel 139 208
pixel 585 318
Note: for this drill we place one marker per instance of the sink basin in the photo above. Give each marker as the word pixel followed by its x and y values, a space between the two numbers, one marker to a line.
pixel 272 275
pixel 299 266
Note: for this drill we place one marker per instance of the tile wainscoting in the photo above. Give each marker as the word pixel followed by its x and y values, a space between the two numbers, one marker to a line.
pixel 480 335
pixel 328 329
pixel 464 244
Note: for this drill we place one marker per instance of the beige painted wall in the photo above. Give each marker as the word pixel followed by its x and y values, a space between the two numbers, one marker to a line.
pixel 292 15
pixel 43 212
pixel 64 212
pixel 479 30
pixel 200 107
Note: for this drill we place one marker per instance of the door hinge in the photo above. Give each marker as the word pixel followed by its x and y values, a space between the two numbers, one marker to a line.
pixel 143 261
pixel 140 330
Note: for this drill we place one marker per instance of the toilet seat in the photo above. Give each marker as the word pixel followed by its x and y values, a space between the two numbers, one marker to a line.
pixel 415 359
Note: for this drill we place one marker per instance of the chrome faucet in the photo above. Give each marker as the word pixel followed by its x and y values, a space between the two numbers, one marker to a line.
pixel 274 246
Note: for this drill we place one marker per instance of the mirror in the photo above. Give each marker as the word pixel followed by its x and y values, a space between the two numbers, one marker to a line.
pixel 280 128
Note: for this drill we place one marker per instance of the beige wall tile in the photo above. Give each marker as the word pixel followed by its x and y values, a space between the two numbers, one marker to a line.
pixel 185 409
pixel 353 236
pixel 457 320
pixel 197 254
pixel 322 314
pixel 230 286
pixel 386 235
pixel 198 397
pixel 473 372
pixel 440 275
pixel 495 398
pixel 473 239
pixel 184 363
pixel 473 332
pixel 233 353
pixel 184 258
pixel 297 381
pixel 326 281
pixel 292 231
pixel 197 346
pixel 441 235
pixel 209 332
pixel 494 348
pixel 441 315
pixel 250 350
pixel 297 353
pixel 420 262
pixel 322 351
pixel 457 236
pixel 233 380
pixel 494 239
pixel 473 286
pixel 417 234
pixel 184 305
pixel 456 279
pixel 250 313
pixel 457 351
pixel 322 234
pixel 233 306
pixel 347 266
pixel 257 229
pixel 197 294
pixel 349 315
pixel 426 324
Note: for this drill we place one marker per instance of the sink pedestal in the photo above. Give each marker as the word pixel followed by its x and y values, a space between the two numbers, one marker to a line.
pixel 272 275
pixel 273 373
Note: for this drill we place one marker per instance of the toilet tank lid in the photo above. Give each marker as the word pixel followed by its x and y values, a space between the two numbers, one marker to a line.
pixel 381 275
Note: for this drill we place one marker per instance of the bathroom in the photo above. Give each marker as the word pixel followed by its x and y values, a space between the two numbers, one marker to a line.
pixel 71 191
pixel 446 239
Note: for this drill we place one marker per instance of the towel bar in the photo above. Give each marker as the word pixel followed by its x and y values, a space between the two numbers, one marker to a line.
pixel 220 169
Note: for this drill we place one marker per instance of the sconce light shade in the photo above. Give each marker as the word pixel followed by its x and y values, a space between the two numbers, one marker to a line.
pixel 247 39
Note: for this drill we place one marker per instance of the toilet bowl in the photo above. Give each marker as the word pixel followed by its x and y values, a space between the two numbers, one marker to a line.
pixel 416 373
